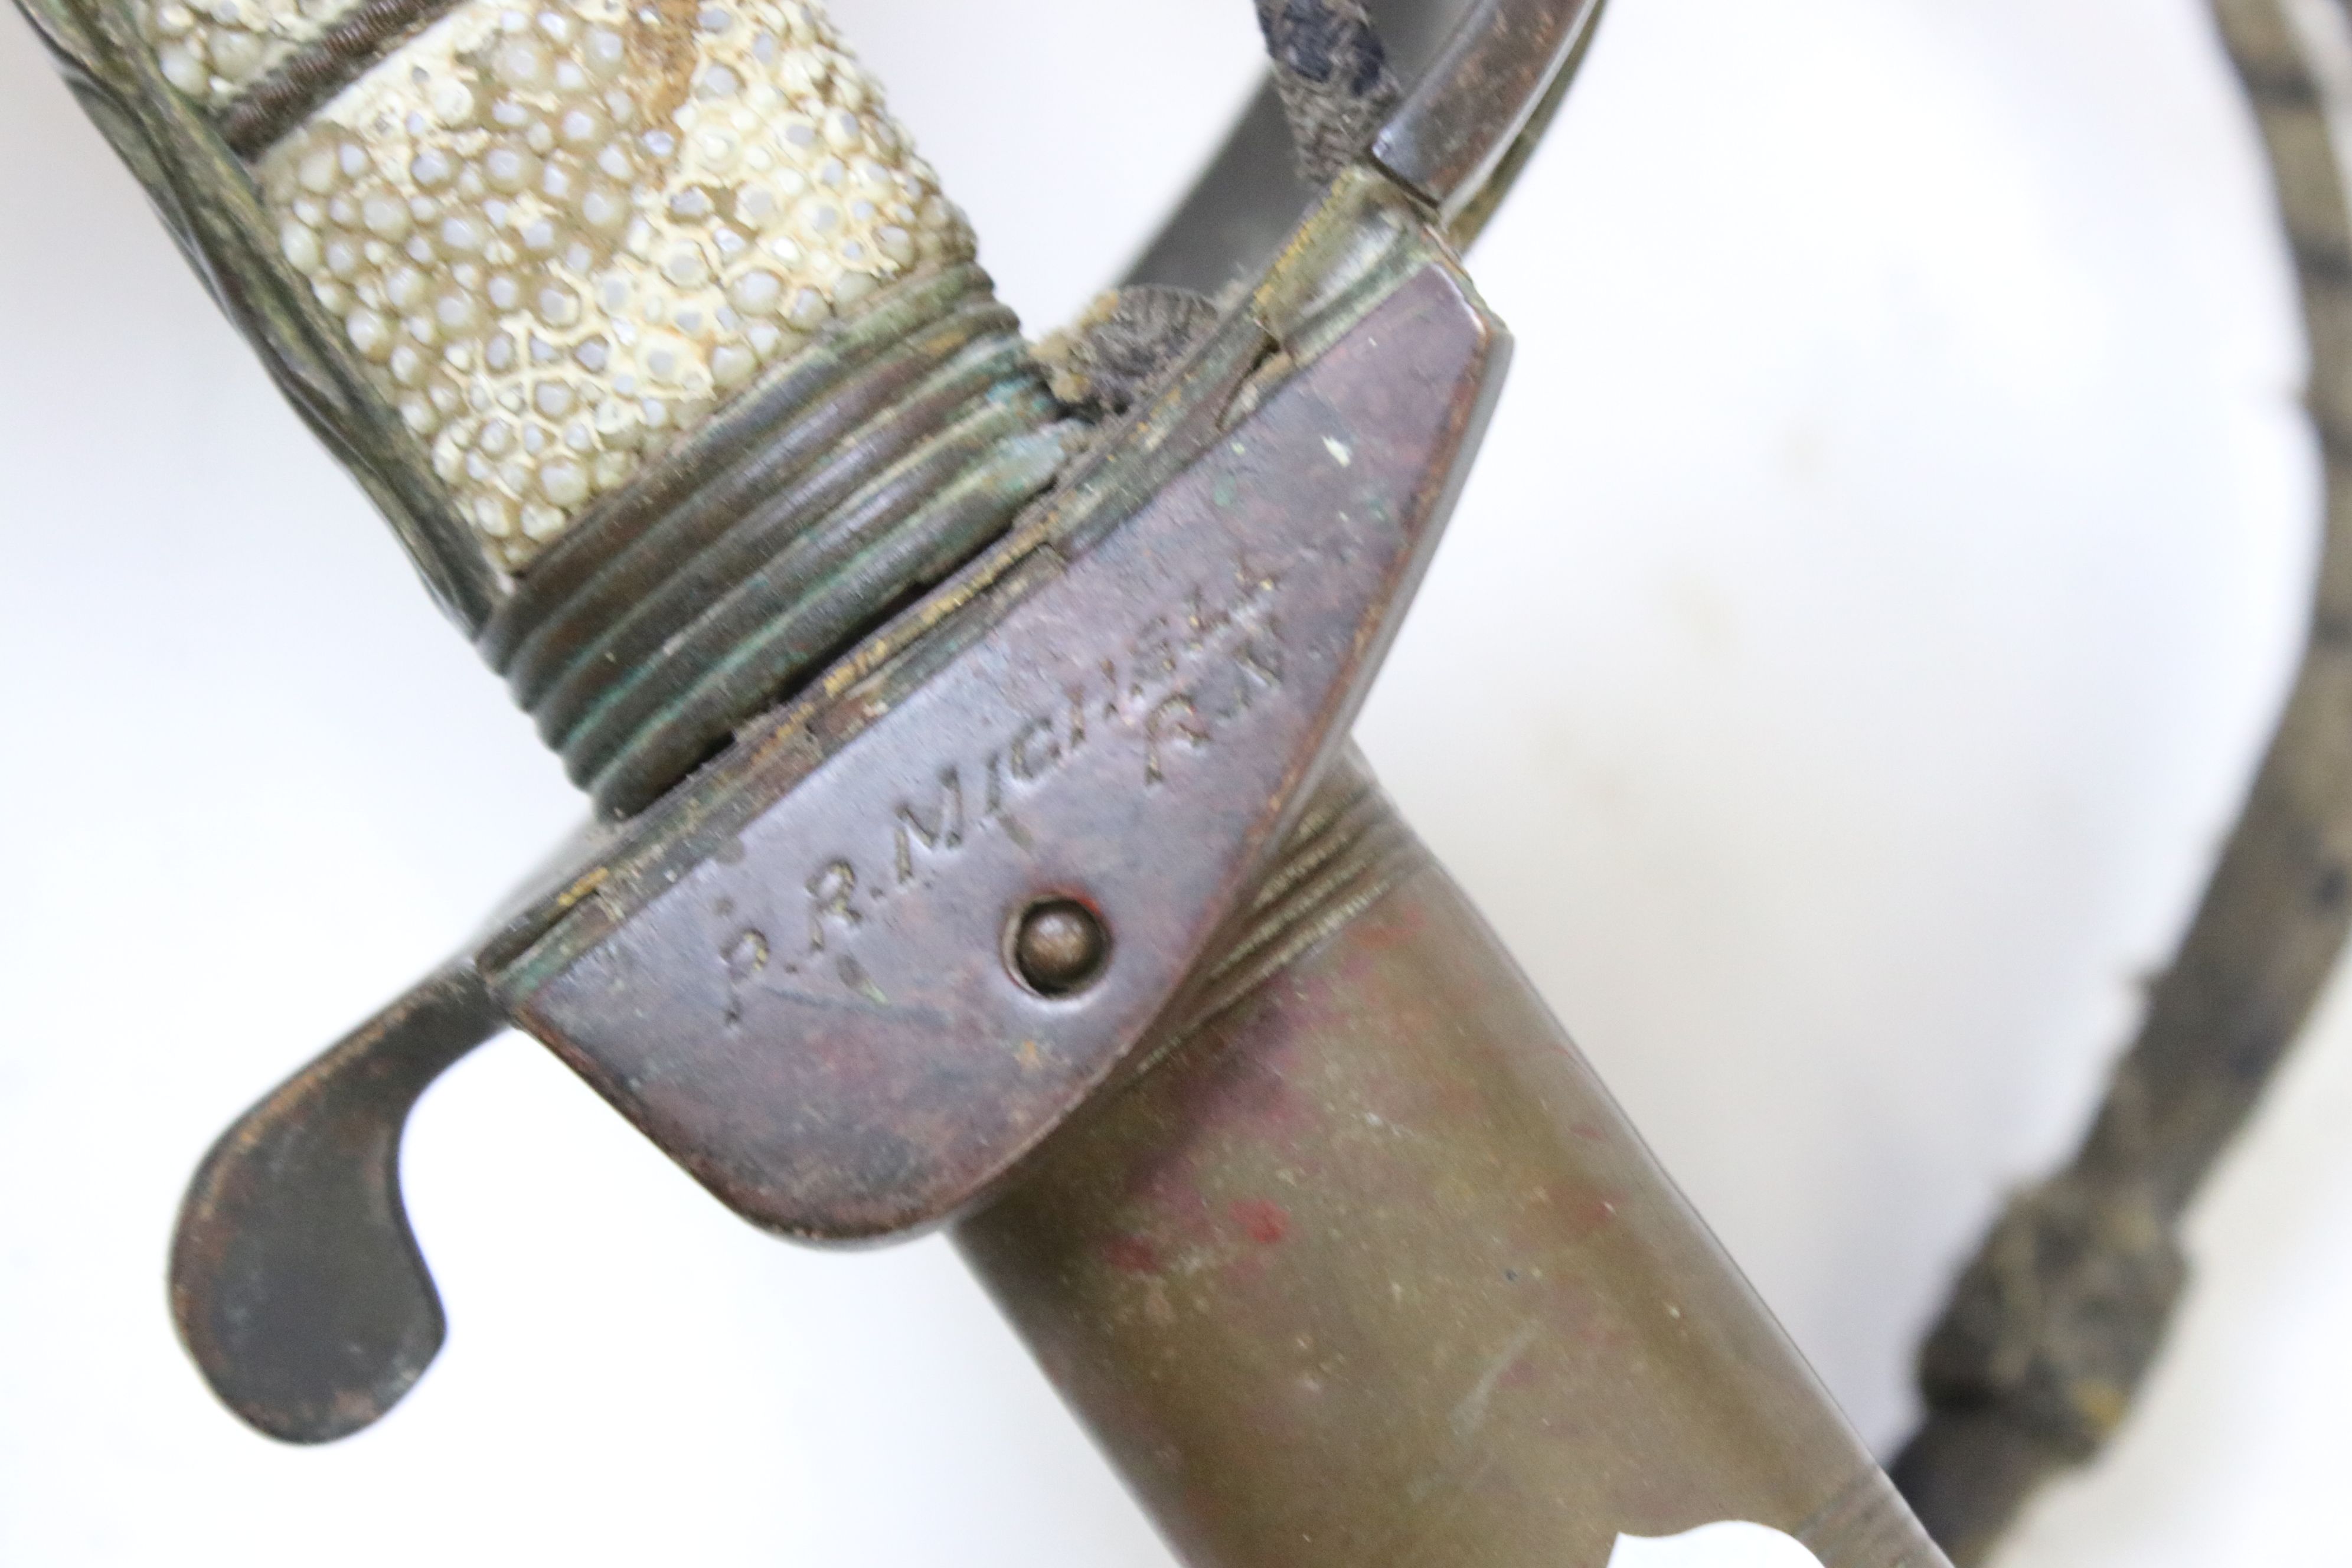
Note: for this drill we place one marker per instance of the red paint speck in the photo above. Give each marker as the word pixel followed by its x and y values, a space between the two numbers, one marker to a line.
pixel 1593 1213
pixel 1261 1220
pixel 1131 1254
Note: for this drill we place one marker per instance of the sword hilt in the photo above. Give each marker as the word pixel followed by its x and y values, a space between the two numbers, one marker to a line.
pixel 673 368
pixel 674 357
pixel 670 363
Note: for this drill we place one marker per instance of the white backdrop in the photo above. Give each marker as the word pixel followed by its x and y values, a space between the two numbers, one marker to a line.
pixel 1884 570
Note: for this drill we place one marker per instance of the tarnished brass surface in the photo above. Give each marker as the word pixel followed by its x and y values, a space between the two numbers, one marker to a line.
pixel 820 1018
pixel 1448 139
pixel 1482 80
pixel 1371 1273
pixel 296 1282
pixel 1362 1267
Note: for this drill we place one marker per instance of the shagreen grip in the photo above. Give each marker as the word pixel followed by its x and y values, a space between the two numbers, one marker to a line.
pixel 669 344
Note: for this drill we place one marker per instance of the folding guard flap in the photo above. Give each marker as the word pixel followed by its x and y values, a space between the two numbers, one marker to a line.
pixel 839 1023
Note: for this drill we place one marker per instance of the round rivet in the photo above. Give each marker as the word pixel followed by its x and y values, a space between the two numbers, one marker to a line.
pixel 1059 946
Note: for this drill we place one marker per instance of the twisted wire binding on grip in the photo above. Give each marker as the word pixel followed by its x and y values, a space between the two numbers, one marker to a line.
pixel 275 103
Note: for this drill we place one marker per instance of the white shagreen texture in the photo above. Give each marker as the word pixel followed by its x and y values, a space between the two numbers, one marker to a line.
pixel 559 235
